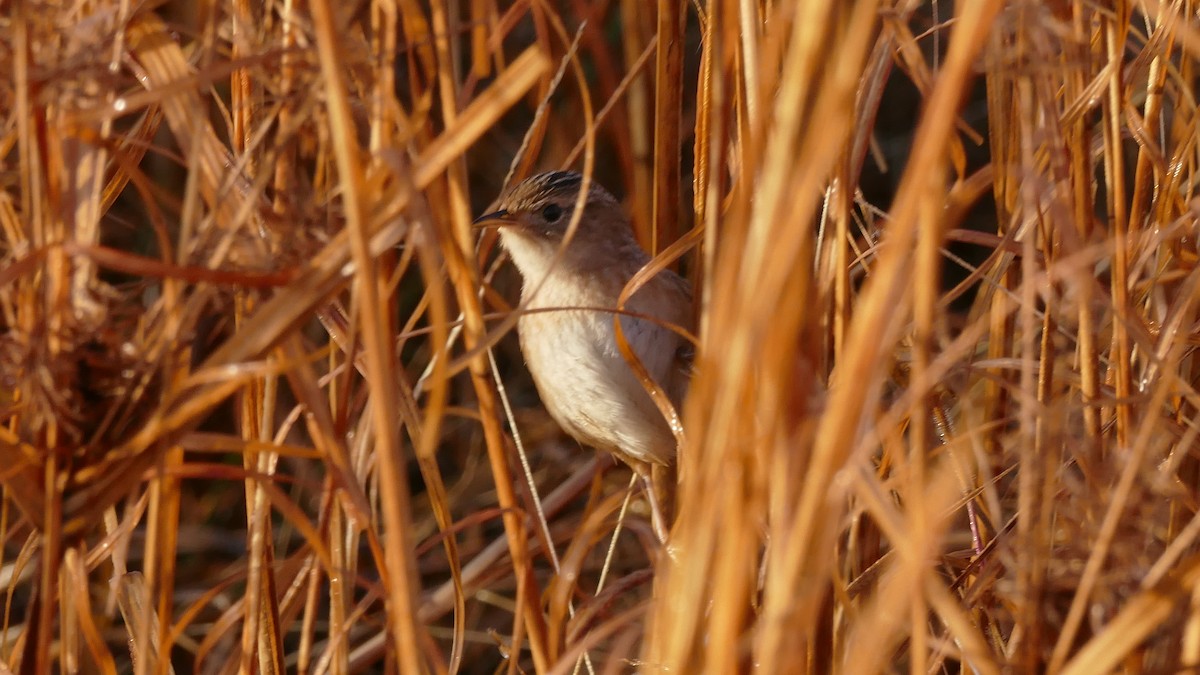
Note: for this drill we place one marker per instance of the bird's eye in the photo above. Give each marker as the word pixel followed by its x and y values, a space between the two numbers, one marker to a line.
pixel 551 213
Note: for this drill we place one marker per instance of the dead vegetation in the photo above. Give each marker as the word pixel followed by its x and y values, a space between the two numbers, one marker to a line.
pixel 258 386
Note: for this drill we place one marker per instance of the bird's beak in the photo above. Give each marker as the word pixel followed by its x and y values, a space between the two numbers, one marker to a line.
pixel 493 219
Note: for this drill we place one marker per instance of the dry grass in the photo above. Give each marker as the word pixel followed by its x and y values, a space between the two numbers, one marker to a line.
pixel 258 412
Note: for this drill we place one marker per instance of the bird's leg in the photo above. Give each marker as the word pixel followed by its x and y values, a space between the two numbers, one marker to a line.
pixel 658 520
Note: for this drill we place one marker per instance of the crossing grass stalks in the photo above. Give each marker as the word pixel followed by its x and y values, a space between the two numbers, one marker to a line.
pixel 263 410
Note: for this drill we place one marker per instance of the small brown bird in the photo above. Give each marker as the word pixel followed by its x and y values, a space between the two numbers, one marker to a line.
pixel 569 297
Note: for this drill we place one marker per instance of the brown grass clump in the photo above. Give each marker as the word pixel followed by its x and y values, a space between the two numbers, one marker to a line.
pixel 262 411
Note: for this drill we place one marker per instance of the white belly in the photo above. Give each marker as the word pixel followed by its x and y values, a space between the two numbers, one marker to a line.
pixel 589 388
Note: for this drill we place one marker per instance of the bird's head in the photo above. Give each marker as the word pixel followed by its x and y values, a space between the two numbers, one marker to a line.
pixel 534 219
pixel 540 208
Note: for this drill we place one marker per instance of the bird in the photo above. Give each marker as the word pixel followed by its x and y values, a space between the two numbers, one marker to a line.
pixel 571 282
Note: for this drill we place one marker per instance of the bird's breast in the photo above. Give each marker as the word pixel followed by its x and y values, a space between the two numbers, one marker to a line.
pixel 570 346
